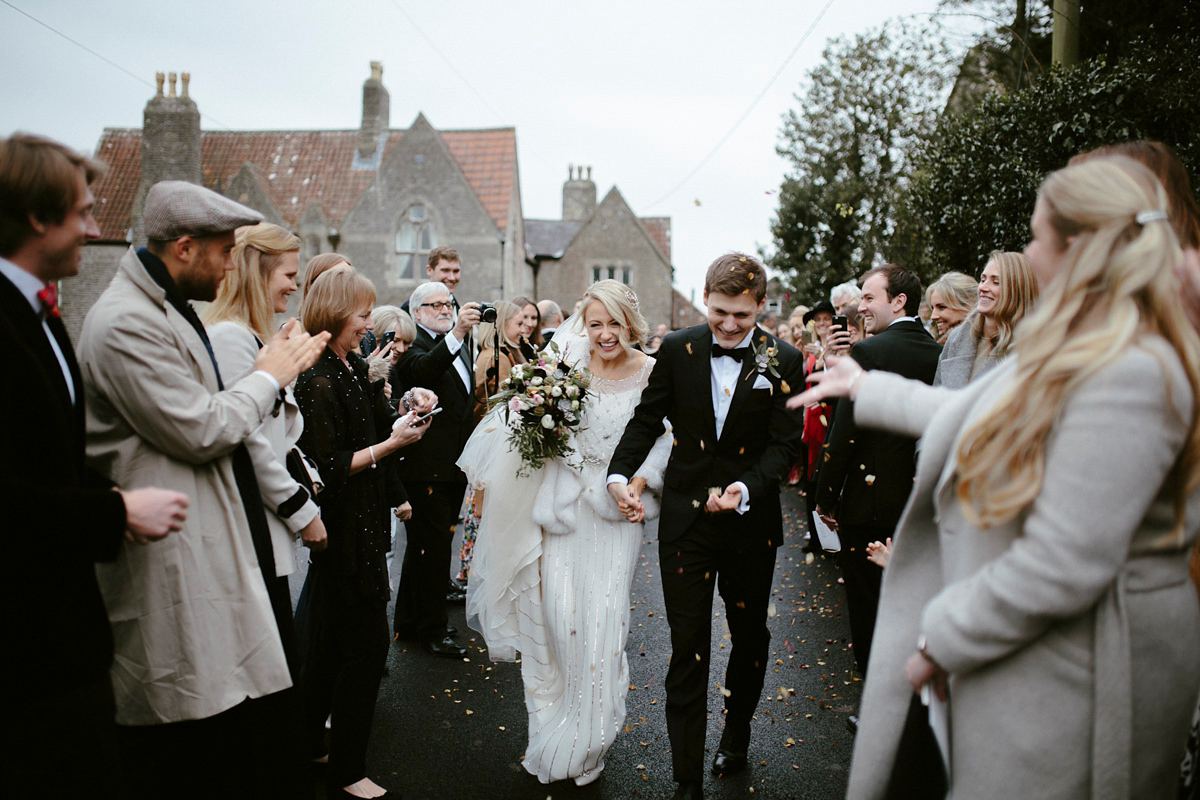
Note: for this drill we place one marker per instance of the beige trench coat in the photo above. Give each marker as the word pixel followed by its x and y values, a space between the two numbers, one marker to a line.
pixel 1072 633
pixel 193 630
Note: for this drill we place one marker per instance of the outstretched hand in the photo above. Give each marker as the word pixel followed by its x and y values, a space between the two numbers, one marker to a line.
pixel 840 379
pixel 290 352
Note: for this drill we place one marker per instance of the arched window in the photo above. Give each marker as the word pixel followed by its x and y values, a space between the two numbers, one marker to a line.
pixel 414 239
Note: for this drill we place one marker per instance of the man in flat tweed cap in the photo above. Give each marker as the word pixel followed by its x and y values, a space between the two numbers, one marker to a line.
pixel 200 669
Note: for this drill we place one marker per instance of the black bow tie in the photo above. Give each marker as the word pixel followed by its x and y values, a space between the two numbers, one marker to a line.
pixel 736 353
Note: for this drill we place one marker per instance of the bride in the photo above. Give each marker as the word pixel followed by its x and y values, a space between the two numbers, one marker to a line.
pixel 554 559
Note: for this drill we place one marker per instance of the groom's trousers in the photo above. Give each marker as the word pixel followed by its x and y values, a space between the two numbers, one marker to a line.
pixel 703 556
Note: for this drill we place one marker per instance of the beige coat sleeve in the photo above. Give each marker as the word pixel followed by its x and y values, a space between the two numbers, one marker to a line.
pixel 139 369
pixel 886 400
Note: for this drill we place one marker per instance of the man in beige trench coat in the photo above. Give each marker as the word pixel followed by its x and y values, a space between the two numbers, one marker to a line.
pixel 197 641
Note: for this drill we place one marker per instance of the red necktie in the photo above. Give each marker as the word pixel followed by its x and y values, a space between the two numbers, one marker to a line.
pixel 49 298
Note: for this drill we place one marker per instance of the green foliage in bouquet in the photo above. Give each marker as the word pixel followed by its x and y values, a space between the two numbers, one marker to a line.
pixel 547 396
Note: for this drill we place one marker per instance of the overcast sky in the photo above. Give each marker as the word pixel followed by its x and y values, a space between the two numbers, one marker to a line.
pixel 643 92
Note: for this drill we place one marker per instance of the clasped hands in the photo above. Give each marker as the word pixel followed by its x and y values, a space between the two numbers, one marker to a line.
pixel 628 497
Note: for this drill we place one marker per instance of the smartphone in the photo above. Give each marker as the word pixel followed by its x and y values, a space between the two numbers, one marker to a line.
pixel 387 339
pixel 424 417
pixel 840 321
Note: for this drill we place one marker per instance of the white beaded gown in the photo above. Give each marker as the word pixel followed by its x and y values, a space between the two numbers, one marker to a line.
pixel 551 576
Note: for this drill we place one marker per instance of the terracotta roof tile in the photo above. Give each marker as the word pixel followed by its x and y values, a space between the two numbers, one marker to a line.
pixel 298 167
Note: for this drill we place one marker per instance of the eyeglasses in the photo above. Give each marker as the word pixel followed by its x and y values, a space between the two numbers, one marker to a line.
pixel 440 306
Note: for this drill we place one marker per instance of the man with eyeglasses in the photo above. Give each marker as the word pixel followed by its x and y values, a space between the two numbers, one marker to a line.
pixel 439 359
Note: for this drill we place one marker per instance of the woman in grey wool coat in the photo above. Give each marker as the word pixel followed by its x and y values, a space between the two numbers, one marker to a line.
pixel 1041 590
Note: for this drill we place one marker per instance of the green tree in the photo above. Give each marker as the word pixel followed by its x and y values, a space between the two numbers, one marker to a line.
pixel 847 143
pixel 975 179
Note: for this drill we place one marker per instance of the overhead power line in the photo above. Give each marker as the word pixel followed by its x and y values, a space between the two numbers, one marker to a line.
pixel 103 58
pixel 704 161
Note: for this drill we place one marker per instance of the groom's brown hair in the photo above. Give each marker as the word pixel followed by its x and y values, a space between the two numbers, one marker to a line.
pixel 736 273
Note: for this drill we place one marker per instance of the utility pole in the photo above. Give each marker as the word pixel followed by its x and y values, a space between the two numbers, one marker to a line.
pixel 1065 45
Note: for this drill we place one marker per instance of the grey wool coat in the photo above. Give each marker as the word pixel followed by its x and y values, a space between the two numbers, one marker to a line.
pixel 193 630
pixel 1071 633
pixel 958 356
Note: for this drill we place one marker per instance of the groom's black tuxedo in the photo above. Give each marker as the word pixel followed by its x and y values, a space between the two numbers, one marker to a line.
pixel 697 550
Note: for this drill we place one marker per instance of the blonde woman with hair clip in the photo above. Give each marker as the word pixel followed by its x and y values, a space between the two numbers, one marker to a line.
pixel 555 558
pixel 1042 592
pixel 1007 291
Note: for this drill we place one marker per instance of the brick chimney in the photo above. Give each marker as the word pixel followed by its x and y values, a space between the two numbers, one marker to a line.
pixel 170 143
pixel 375 115
pixel 579 195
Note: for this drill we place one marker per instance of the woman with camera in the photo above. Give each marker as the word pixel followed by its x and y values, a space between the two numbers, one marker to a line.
pixel 1044 593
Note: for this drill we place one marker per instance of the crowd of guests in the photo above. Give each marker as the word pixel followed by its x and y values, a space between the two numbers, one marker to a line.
pixel 1019 608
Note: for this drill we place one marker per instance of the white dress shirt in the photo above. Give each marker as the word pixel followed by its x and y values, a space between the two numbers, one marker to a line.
pixel 454 344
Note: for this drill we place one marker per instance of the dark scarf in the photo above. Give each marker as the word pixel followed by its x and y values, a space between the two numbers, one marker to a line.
pixel 243 469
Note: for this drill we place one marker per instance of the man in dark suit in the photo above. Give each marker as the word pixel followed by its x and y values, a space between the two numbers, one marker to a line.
pixel 867 475
pixel 721 520
pixel 438 359
pixel 60 516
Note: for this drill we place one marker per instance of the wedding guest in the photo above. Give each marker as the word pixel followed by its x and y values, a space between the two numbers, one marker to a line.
pixel 556 557
pixel 491 368
pixel 319 264
pixel 198 620
pixel 239 321
pixel 351 431
pixel 531 326
pixel 60 515
pixel 435 485
pixel 950 298
pixel 552 316
pixel 1185 219
pixel 1026 566
pixel 1007 292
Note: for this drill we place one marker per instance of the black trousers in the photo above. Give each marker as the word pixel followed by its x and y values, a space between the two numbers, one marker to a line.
pixel 348 644
pixel 421 597
pixel 862 582
pixel 701 558
pixel 63 742
pixel 228 755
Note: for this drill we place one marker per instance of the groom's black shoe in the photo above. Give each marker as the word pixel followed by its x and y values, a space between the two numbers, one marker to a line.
pixel 445 647
pixel 731 752
pixel 689 791
pixel 728 762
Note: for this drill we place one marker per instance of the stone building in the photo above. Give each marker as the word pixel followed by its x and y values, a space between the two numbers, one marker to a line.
pixel 601 240
pixel 382 196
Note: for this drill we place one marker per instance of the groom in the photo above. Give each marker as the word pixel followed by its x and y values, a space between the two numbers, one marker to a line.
pixel 721 521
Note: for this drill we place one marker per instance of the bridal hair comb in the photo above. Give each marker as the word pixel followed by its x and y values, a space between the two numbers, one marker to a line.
pixel 632 299
pixel 1156 215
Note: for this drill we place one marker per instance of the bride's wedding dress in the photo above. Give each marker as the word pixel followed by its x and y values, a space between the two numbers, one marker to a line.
pixel 552 571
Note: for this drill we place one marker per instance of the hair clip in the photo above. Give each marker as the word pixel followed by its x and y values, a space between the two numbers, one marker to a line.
pixel 1156 215
pixel 632 299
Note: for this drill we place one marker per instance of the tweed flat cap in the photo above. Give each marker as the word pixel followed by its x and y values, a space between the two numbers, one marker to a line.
pixel 179 208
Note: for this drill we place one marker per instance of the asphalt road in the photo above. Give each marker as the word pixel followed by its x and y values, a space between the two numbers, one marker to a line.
pixel 449 728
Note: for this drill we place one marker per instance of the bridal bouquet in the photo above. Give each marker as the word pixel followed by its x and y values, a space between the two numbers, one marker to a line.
pixel 547 395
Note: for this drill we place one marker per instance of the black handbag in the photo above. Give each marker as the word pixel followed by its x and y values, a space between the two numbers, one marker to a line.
pixel 304 472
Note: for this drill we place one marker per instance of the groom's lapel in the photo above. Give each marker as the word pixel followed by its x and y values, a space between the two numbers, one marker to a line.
pixel 745 381
pixel 700 358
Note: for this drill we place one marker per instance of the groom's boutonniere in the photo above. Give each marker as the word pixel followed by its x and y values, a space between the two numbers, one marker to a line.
pixel 764 358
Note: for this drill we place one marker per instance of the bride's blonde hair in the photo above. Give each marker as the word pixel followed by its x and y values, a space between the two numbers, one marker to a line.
pixel 1115 284
pixel 622 304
